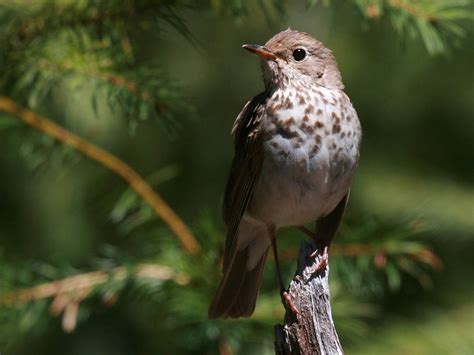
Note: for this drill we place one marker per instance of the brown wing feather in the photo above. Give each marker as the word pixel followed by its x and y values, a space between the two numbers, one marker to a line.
pixel 245 170
pixel 327 226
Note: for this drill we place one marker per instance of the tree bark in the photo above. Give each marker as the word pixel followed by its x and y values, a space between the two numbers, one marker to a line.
pixel 312 331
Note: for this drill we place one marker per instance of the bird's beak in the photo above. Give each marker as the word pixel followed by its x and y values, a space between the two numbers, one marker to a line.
pixel 261 51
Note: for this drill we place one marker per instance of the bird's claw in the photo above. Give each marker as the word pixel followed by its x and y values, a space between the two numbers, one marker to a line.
pixel 323 262
pixel 288 301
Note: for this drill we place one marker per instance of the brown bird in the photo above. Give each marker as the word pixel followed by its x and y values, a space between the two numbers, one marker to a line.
pixel 296 150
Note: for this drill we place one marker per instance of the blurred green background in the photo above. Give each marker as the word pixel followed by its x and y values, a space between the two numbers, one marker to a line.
pixel 62 214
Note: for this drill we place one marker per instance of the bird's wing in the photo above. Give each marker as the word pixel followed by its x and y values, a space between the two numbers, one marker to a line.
pixel 245 170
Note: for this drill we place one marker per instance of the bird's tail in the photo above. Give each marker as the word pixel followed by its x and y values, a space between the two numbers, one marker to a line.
pixel 237 293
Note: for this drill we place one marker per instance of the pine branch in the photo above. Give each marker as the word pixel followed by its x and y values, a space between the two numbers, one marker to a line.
pixel 141 187
pixel 413 10
pixel 82 284
pixel 373 9
pixel 91 42
pixel 431 20
pixel 422 254
pixel 379 249
pixel 111 78
pixel 53 16
pixel 139 93
pixel 68 293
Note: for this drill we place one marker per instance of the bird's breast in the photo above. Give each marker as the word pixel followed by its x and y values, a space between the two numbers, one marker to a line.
pixel 311 146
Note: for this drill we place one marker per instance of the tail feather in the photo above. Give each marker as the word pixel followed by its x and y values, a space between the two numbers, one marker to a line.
pixel 237 293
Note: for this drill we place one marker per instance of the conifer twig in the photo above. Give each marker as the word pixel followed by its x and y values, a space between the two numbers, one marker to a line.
pixel 79 286
pixel 407 7
pixel 136 182
pixel 38 25
pixel 68 293
pixel 424 255
pixel 111 78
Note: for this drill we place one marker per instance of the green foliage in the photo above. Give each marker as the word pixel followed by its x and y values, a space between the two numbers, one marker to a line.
pixel 182 306
pixel 130 211
pixel 435 22
pixel 98 51
pixel 89 43
pixel 385 253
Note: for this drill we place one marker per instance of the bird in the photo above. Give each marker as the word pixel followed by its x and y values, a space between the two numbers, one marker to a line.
pixel 296 151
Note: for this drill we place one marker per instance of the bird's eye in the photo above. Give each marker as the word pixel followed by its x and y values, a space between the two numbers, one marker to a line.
pixel 299 54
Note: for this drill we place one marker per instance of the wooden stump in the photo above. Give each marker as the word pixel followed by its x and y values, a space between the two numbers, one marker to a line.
pixel 312 331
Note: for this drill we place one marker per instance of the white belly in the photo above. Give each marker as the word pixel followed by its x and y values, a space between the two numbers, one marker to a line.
pixel 309 164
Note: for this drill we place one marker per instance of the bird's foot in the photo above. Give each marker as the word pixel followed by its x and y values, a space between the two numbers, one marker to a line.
pixel 287 301
pixel 323 262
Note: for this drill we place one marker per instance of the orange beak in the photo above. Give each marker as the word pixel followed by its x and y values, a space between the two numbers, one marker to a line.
pixel 261 51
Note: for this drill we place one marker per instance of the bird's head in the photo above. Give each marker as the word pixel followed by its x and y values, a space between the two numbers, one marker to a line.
pixel 292 57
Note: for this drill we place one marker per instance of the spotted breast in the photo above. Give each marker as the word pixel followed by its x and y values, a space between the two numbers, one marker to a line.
pixel 311 144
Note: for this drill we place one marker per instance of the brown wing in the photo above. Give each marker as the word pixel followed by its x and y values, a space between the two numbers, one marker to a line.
pixel 327 226
pixel 245 170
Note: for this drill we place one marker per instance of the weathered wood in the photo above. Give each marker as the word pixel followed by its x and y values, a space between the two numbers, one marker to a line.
pixel 312 331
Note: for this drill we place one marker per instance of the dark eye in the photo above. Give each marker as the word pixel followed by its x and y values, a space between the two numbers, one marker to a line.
pixel 299 54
